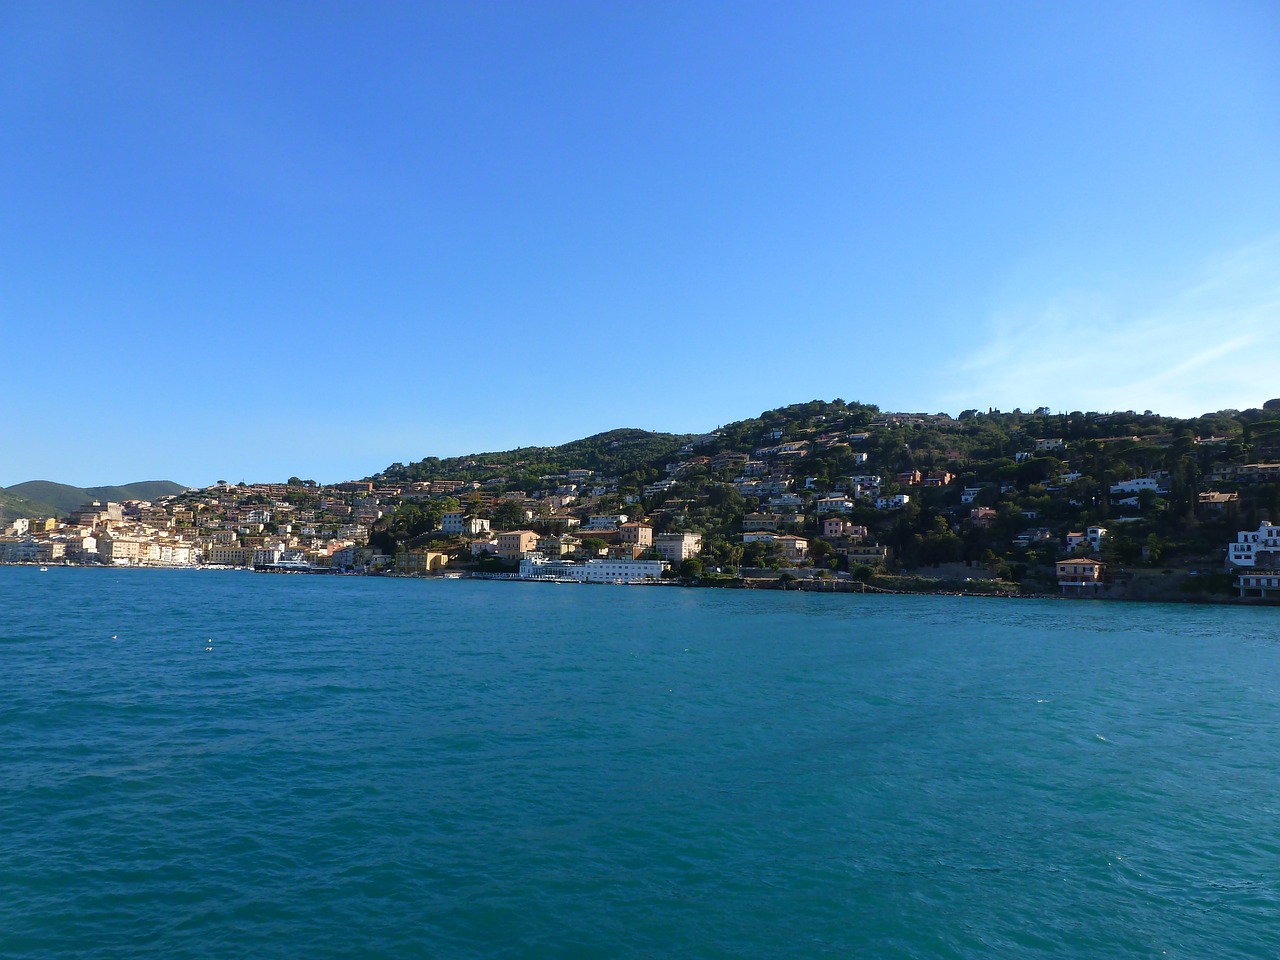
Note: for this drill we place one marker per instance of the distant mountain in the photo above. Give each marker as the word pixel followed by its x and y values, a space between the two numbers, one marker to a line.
pixel 44 497
pixel 13 506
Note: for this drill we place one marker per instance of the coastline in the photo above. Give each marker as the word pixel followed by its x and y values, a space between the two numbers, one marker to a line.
pixel 910 585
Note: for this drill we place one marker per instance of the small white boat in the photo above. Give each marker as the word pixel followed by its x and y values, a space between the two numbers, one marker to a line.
pixel 44 569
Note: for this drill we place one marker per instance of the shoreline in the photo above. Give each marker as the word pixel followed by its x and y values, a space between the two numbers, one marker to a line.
pixel 800 585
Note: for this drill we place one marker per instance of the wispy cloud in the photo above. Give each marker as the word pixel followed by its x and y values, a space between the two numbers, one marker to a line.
pixel 1209 345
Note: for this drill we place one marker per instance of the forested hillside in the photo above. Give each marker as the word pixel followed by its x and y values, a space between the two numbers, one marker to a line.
pixel 1003 490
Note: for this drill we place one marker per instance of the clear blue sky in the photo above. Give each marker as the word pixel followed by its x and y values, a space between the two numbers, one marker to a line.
pixel 246 240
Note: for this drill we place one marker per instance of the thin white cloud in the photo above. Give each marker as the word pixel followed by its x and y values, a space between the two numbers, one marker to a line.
pixel 1207 346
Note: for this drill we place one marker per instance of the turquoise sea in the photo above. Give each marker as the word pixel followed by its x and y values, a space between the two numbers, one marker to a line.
pixel 199 764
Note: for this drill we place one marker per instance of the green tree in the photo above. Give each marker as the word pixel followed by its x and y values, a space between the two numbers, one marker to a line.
pixel 594 546
pixel 691 568
pixel 508 515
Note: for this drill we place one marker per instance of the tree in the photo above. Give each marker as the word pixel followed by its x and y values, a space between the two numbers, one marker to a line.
pixel 691 568
pixel 508 515
pixel 735 557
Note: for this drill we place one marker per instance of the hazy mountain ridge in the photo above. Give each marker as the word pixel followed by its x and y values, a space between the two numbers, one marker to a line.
pixel 42 498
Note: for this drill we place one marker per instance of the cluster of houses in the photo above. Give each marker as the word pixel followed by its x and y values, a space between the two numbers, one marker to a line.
pixel 223 525
pixel 608 548
pixel 566 530
pixel 1254 556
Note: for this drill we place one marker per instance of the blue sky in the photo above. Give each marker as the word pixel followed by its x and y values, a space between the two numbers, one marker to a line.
pixel 244 241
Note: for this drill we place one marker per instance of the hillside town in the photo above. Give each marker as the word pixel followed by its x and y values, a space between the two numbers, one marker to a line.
pixel 1105 504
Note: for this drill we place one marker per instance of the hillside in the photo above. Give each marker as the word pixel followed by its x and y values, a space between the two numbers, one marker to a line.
pixel 14 506
pixel 614 452
pixel 895 441
pixel 49 498
pixel 998 490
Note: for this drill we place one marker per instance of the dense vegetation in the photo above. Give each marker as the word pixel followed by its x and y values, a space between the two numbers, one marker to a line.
pixel 615 452
pixel 1023 486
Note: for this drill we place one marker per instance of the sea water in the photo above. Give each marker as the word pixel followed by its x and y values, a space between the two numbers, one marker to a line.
pixel 200 764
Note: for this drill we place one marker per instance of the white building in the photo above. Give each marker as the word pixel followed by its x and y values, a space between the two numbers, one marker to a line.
pixel 784 501
pixel 678 547
pixel 1137 485
pixel 761 488
pixel 457 522
pixel 662 486
pixel 892 503
pixel 834 504
pixel 592 571
pixel 270 554
pixel 1255 547
pixel 1092 538
pixel 609 522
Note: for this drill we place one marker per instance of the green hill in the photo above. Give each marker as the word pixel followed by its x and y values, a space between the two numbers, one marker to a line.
pixel 14 506
pixel 614 452
pixel 44 497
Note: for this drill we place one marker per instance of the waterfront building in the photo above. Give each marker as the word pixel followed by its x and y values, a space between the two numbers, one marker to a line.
pixel 537 567
pixel 678 547
pixel 123 550
pixel 420 560
pixel 1080 574
pixel 1256 548
pixel 1261 585
pixel 514 544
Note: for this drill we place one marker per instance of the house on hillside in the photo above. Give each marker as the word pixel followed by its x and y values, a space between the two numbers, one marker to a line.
pixel 1256 548
pixel 1080 575
pixel 792 547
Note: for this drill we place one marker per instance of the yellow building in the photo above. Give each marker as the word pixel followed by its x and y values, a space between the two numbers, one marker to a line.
pixel 231 555
pixel 420 560
pixel 1080 573
pixel 514 544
